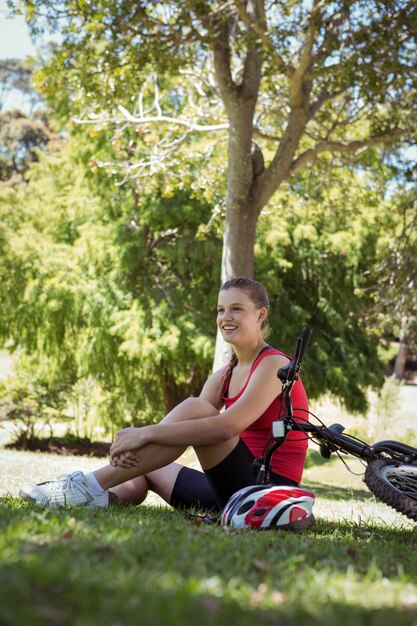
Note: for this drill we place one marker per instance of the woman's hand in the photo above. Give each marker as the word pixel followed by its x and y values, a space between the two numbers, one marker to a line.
pixel 125 459
pixel 130 439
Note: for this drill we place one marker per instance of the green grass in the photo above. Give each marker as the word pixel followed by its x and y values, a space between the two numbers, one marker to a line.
pixel 151 566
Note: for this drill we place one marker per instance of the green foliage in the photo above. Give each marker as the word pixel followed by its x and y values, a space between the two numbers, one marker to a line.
pixel 31 400
pixel 394 294
pixel 16 75
pixel 359 48
pixel 316 259
pixel 109 270
pixel 100 284
pixel 384 417
pixel 114 292
pixel 107 35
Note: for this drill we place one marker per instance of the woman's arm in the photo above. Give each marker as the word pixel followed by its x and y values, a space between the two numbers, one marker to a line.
pixel 262 389
pixel 211 387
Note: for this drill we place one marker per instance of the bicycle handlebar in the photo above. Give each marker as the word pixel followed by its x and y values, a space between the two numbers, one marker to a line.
pixel 288 373
pixel 302 343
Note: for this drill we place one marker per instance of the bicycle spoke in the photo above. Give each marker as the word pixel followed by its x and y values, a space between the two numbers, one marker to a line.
pixel 404 482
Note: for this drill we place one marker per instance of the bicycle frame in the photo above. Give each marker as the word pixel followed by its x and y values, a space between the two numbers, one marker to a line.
pixel 332 440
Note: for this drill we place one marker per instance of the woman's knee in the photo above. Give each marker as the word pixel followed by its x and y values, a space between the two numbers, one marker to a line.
pixel 132 491
pixel 191 408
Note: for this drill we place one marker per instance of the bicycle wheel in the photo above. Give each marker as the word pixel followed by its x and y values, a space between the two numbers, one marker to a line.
pixel 395 484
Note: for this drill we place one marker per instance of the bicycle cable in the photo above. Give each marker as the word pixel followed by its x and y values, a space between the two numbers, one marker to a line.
pixel 312 438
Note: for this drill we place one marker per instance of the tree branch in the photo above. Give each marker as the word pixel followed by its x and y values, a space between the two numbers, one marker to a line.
pixel 151 119
pixel 351 147
pixel 251 74
pixel 331 40
pixel 300 86
pixel 222 66
pixel 259 27
pixel 299 96
pixel 324 96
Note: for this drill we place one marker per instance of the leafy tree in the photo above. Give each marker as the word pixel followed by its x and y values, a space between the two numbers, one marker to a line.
pixel 284 82
pixel 110 266
pixel 114 291
pixel 102 285
pixel 31 400
pixel 20 137
pixel 21 133
pixel 394 293
pixel 318 260
pixel 298 78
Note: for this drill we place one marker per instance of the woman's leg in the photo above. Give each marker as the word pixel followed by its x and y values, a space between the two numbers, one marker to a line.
pixel 77 489
pixel 192 490
pixel 132 491
pixel 154 456
pixel 160 481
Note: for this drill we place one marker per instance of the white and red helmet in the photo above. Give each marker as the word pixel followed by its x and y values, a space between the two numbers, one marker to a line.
pixel 269 506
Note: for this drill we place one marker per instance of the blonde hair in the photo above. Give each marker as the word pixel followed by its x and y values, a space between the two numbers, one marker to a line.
pixel 259 297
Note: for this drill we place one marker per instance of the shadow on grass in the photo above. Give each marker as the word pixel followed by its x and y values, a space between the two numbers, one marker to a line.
pixel 68 600
pixel 61 604
pixel 150 565
pixel 332 492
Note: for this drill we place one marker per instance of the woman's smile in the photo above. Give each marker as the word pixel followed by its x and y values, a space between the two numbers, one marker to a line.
pixel 229 328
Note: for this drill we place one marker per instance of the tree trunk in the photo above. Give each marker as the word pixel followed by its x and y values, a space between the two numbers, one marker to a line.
pixel 246 194
pixel 239 240
pixel 240 99
pixel 237 258
pixel 401 358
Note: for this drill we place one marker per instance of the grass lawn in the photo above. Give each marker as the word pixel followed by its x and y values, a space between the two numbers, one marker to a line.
pixel 151 566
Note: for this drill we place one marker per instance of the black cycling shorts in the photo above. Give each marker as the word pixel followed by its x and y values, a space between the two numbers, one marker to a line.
pixel 210 490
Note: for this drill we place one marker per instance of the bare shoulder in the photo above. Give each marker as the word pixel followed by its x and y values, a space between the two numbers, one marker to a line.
pixel 274 359
pixel 271 363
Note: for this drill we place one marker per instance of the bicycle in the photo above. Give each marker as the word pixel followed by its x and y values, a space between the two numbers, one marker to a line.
pixel 391 466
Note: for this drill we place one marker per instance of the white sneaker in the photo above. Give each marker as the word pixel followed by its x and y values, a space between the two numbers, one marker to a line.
pixel 68 490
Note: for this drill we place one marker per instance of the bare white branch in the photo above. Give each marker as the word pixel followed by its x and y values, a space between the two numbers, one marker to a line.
pixel 151 119
pixel 148 112
pixel 156 99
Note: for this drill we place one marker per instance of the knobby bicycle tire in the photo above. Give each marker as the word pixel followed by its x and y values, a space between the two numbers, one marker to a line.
pixel 395 484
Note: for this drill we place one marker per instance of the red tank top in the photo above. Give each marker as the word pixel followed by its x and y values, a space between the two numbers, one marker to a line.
pixel 289 459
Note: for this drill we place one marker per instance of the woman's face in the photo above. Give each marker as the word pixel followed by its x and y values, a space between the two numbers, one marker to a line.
pixel 238 318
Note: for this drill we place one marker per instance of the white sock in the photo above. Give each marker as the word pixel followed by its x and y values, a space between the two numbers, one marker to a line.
pixel 93 482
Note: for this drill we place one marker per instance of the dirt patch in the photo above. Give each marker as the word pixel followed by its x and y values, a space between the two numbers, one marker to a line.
pixel 66 446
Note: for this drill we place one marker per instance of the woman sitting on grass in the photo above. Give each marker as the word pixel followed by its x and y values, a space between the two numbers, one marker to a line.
pixel 227 425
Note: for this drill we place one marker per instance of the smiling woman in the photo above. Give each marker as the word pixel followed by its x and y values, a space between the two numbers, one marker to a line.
pixel 228 425
pixel 231 316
